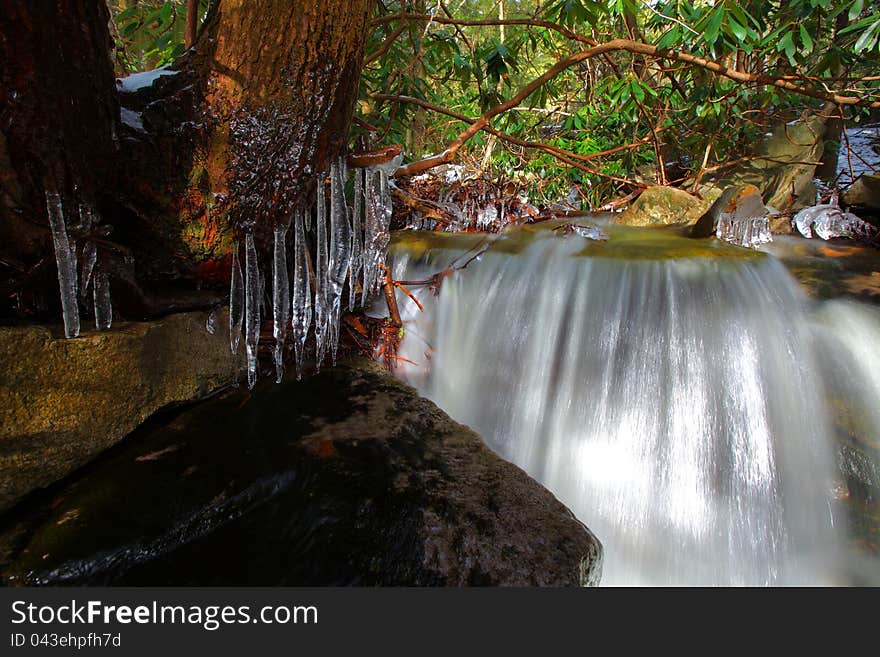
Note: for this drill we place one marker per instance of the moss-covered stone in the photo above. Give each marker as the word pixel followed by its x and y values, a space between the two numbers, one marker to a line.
pixel 63 401
pixel 663 206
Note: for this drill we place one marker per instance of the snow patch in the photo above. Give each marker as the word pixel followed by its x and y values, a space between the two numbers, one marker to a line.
pixel 132 119
pixel 138 81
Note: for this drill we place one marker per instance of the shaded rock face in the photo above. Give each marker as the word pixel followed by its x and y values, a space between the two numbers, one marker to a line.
pixel 64 401
pixel 661 206
pixel 783 168
pixel 737 216
pixel 347 478
pixel 864 192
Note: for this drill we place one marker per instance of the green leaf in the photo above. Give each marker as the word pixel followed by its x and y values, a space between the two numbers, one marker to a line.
pixel 710 35
pixel 670 38
pixel 739 31
pixel 856 9
pixel 786 44
pixel 868 38
pixel 806 39
pixel 637 91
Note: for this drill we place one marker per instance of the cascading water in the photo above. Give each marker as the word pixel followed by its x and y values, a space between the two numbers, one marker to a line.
pixel 671 393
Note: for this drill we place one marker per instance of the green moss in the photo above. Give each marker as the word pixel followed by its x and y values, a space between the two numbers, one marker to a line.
pixel 625 242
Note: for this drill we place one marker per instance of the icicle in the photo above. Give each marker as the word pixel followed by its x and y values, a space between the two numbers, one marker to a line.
pixel 280 299
pixel 377 202
pixel 302 301
pixel 827 221
pixel 253 292
pixel 236 301
pixel 90 257
pixel 321 277
pixel 101 299
pixel 340 250
pixel 370 229
pixel 211 323
pixel 383 237
pixel 357 239
pixel 65 258
pixel 743 231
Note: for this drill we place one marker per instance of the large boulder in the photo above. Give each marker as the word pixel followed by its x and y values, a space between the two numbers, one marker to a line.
pixel 784 165
pixel 64 401
pixel 864 192
pixel 662 206
pixel 347 478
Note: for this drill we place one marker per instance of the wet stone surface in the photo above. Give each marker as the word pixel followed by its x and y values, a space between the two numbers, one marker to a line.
pixel 833 269
pixel 348 478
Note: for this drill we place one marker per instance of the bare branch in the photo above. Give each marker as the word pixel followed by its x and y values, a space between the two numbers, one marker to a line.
pixel 572 159
pixel 636 47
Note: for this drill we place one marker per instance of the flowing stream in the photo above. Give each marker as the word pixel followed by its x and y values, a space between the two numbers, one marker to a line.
pixel 678 395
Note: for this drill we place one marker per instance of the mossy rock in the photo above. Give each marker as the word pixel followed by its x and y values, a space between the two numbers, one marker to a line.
pixel 64 401
pixel 663 206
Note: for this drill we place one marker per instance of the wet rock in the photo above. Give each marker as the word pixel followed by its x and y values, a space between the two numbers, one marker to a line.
pixel 780 224
pixel 347 478
pixel 660 206
pixel 864 192
pixel 738 216
pixel 64 401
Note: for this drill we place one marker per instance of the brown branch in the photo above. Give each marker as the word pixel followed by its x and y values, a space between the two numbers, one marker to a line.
pixel 390 298
pixel 482 123
pixel 192 22
pixel 570 158
pixel 448 20
pixel 386 44
pixel 641 48
pixel 430 209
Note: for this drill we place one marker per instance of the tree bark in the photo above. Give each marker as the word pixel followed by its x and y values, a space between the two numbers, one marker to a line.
pixel 59 117
pixel 256 110
pixel 281 79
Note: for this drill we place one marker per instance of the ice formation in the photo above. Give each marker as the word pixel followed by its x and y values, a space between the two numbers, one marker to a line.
pixel 236 301
pixel 748 224
pixel 349 244
pixel 828 220
pixel 743 231
pixel 211 322
pixel 302 301
pixel 280 298
pixel 321 275
pixel 101 298
pixel 253 292
pixel 357 239
pixel 340 251
pixel 65 258
pixel 377 204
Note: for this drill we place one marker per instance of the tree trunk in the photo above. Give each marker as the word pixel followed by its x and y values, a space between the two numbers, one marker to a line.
pixel 281 78
pixel 257 109
pixel 59 117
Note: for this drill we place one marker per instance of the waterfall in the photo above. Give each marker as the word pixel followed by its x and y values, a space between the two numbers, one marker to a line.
pixel 676 399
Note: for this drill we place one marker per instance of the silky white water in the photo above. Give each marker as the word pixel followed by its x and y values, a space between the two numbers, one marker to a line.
pixel 678 405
